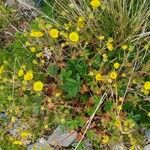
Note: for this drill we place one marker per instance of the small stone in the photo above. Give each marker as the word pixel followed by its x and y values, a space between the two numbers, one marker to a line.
pixel 147 133
pixel 147 147
pixel 119 146
pixel 87 145
pixel 3 115
pixel 26 4
pixel 11 3
pixel 61 137
pixel 41 144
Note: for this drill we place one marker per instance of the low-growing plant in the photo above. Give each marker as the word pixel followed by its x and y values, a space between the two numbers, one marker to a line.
pixel 86 69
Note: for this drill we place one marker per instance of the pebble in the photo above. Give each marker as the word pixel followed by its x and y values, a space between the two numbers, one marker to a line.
pixel 61 137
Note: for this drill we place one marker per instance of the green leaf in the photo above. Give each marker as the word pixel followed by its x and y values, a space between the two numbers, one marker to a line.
pixel 53 70
pixel 108 106
pixel 72 87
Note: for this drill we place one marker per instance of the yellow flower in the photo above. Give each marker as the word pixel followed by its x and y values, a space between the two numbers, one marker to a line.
pixel 124 75
pixel 34 61
pixel 17 143
pixel 129 123
pixel 54 33
pixel 58 94
pixel 110 39
pixel 32 49
pixel 27 43
pixel 110 46
pixel 105 139
pixel 81 19
pixel 1 69
pixel 39 54
pixel 119 108
pixel 36 34
pixel 20 72
pixel 118 124
pixel 25 134
pixel 121 99
pixel 148 114
pixel 124 47
pixel 116 65
pixel 147 85
pixel 38 86
pixel 146 47
pixel 99 77
pixel 101 37
pixel 46 126
pixel 91 73
pixel 113 75
pixel 105 57
pixel 95 3
pixel 28 76
pixel 13 119
pixel 91 16
pixel 74 37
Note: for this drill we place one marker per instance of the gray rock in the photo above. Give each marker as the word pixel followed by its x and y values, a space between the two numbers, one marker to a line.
pixel 119 146
pixel 61 137
pixel 3 115
pixel 26 4
pixel 40 145
pixel 11 3
pixel 17 128
pixel 147 133
pixel 87 145
pixel 147 147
